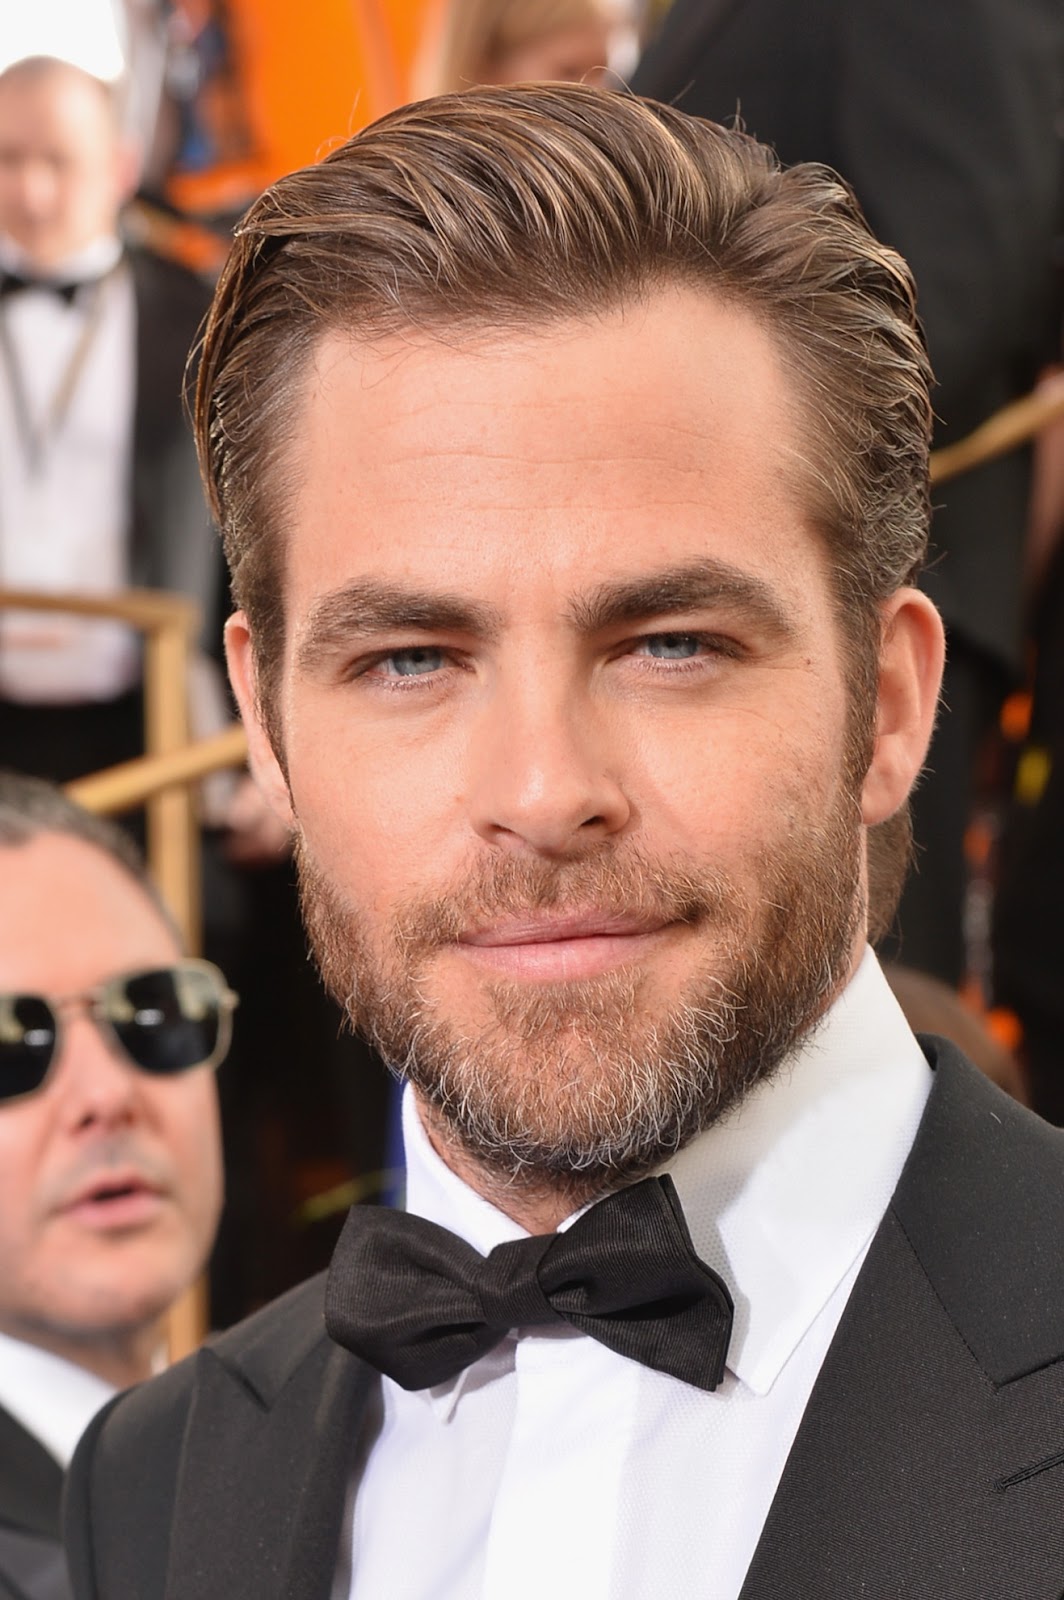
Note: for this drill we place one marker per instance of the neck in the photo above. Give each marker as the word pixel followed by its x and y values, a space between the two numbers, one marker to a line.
pixel 100 252
pixel 122 1358
pixel 537 1203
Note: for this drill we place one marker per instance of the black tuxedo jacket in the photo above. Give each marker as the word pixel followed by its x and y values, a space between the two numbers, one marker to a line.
pixel 929 1464
pixel 31 1484
pixel 945 116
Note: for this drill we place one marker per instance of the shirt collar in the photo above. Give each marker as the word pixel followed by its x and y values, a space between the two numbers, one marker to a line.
pixel 51 1398
pixel 783 1196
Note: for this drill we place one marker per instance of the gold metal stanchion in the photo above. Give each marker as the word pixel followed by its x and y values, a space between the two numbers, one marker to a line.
pixel 1006 430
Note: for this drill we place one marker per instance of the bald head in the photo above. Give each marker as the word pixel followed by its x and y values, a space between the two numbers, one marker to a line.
pixel 65 169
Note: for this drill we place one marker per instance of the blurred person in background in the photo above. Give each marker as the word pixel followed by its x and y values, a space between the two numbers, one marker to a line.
pixel 110 1167
pixel 1028 930
pixel 99 487
pixel 947 121
pixel 516 41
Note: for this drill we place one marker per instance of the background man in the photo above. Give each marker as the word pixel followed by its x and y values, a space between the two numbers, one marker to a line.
pixel 572 462
pixel 110 1174
pixel 98 482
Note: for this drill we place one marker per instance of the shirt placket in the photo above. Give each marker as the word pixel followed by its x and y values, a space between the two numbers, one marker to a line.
pixel 554 1525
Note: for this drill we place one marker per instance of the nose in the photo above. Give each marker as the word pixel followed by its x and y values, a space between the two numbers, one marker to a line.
pixel 94 1087
pixel 544 770
pixel 35 189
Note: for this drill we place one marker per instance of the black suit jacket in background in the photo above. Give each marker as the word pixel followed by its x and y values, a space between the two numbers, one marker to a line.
pixel 929 1464
pixel 945 117
pixel 174 544
pixel 32 1566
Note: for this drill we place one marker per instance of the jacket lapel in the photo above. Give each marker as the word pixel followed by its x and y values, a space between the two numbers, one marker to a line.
pixel 931 1456
pixel 31 1481
pixel 149 411
pixel 286 1434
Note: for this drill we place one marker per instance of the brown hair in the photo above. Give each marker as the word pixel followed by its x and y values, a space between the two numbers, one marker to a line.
pixel 519 208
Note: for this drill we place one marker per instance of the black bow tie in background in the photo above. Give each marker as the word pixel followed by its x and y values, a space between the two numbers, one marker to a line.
pixel 420 1304
pixel 15 282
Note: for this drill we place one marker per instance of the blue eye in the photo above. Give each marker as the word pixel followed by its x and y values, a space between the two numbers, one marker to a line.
pixel 413 663
pixel 672 646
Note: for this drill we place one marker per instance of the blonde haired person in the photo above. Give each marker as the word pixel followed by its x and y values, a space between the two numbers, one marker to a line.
pixel 516 41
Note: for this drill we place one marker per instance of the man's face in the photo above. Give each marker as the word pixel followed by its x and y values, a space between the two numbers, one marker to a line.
pixel 565 725
pixel 110 1180
pixel 580 51
pixel 63 169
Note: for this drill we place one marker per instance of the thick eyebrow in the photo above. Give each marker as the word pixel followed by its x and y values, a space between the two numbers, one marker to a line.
pixel 373 606
pixel 689 587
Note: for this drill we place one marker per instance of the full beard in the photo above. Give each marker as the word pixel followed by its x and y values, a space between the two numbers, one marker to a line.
pixel 578 1087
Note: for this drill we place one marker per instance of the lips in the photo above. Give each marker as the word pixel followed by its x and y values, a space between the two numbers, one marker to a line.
pixel 114 1199
pixel 560 948
pixel 551 929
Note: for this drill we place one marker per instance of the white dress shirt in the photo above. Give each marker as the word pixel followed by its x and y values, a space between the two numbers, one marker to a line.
pixel 554 1466
pixel 53 1399
pixel 65 522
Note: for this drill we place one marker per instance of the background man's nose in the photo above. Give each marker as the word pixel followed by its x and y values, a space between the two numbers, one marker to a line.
pixel 94 1083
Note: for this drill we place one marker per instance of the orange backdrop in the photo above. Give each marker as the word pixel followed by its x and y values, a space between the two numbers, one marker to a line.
pixel 301 78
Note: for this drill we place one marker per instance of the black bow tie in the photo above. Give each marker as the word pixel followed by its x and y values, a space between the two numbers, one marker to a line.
pixel 420 1304
pixel 15 282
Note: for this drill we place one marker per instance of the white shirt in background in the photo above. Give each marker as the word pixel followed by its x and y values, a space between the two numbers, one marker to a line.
pixel 53 1399
pixel 66 525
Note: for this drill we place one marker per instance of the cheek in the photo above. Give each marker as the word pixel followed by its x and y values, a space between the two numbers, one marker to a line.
pixel 15 1227
pixel 382 813
pixel 19 1188
pixel 731 782
pixel 187 1117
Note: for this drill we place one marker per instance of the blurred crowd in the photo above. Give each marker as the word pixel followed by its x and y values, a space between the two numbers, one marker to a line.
pixel 116 201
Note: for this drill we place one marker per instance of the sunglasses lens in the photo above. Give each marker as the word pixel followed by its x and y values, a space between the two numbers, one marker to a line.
pixel 27 1043
pixel 170 1019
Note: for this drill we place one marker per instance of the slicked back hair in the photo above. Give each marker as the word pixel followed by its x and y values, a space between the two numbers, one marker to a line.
pixel 524 208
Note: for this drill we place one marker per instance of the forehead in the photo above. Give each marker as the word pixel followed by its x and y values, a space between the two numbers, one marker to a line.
pixel 71 917
pixel 55 110
pixel 662 432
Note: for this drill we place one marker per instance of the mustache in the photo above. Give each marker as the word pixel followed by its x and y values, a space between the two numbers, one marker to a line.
pixel 620 884
pixel 114 1152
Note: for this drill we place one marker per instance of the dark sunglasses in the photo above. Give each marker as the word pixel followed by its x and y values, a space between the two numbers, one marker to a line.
pixel 164 1020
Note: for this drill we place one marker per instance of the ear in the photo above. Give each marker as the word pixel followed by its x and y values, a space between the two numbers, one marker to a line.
pixel 265 767
pixel 128 166
pixel 910 672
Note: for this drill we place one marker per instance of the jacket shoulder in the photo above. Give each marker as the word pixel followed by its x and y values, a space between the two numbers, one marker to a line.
pixel 981 1202
pixel 123 1481
pixel 167 281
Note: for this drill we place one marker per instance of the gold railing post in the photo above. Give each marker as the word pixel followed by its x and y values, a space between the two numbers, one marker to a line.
pixel 173 835
pixel 1014 425
pixel 167 623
